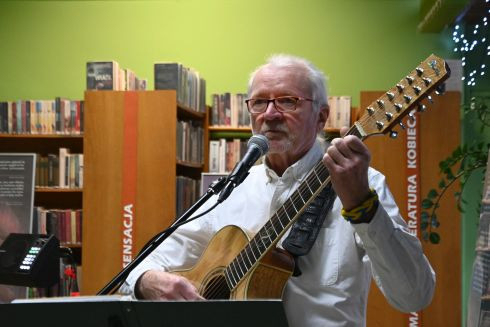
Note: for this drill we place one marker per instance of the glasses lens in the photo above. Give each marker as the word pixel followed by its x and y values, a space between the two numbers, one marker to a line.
pixel 257 105
pixel 286 103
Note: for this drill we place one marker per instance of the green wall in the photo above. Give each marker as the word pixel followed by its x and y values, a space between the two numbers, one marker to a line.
pixel 361 45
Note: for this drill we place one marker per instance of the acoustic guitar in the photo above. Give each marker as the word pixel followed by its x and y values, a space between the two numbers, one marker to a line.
pixel 234 266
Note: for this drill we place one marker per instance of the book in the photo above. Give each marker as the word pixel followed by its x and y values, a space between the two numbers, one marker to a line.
pixel 169 76
pixel 102 75
pixel 214 156
pixel 63 155
pixel 189 85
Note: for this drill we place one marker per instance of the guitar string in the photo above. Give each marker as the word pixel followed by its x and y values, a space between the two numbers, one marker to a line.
pixel 316 176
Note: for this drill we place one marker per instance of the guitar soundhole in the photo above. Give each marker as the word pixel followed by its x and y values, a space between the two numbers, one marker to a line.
pixel 216 288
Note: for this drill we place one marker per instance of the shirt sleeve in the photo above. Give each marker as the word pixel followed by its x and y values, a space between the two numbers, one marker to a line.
pixel 181 250
pixel 400 269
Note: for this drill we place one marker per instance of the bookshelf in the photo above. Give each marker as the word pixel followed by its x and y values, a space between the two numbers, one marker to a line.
pixel 131 169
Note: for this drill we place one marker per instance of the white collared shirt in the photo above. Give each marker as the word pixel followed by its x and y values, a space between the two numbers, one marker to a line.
pixel 336 274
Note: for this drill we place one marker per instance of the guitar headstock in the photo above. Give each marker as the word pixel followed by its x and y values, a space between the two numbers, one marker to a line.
pixel 389 109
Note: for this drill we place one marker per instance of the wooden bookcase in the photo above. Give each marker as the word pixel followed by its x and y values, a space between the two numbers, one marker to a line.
pixel 129 159
pixel 439 134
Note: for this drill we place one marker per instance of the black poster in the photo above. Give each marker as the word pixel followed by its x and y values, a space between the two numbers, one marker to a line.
pixel 16 204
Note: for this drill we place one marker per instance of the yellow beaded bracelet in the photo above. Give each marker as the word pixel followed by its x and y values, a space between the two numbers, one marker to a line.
pixel 364 212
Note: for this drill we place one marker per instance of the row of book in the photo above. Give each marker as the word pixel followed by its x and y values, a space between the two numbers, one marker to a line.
pixel 225 153
pixel 229 110
pixel 339 115
pixel 108 75
pixel 65 224
pixel 189 85
pixel 188 190
pixel 64 170
pixel 190 141
pixel 59 116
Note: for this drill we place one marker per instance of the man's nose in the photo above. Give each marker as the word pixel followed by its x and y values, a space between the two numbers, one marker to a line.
pixel 271 112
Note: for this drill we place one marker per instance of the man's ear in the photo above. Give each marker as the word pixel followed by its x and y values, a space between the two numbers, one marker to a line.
pixel 322 117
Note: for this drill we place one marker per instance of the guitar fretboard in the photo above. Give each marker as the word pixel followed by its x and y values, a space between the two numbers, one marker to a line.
pixel 280 221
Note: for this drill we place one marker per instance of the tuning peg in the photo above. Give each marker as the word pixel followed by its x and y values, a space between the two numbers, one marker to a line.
pixel 421 107
pixel 400 87
pixel 411 117
pixel 389 116
pixel 390 95
pixel 430 99
pixel 417 89
pixel 370 111
pixel 380 125
pixel 398 107
pixel 420 71
pixel 409 79
pixel 441 89
pixel 393 134
pixel 407 98
pixel 401 125
pixel 380 103
pixel 427 81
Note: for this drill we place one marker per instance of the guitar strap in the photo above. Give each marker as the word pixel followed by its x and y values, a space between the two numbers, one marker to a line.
pixel 305 230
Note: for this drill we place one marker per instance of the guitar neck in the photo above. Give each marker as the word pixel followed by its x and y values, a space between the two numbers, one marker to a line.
pixel 277 225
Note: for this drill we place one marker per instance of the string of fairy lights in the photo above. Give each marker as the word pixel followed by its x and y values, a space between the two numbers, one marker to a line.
pixel 471 41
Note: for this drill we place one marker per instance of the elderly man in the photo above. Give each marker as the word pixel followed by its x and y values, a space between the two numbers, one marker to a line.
pixel 361 235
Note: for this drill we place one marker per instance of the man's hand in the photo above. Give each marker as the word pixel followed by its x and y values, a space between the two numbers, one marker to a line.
pixel 347 160
pixel 160 285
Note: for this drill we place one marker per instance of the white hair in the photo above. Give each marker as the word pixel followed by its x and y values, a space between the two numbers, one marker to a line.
pixel 318 82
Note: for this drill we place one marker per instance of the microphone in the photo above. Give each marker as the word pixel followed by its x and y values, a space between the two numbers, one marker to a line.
pixel 258 146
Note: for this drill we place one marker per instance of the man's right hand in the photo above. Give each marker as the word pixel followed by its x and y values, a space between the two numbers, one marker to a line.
pixel 160 285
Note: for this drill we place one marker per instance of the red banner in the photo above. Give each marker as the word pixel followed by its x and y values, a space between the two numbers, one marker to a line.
pixel 129 172
pixel 413 185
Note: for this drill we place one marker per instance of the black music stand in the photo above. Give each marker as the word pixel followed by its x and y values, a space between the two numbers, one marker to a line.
pixel 115 313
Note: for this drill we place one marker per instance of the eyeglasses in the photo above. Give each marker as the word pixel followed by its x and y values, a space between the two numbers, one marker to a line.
pixel 282 104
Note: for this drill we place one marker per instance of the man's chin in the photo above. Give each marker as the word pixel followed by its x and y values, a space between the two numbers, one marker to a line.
pixel 278 147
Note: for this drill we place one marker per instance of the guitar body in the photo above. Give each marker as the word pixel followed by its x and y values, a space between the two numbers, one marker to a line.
pixel 265 281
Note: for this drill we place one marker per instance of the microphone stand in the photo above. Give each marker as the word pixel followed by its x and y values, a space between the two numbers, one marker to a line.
pixel 110 288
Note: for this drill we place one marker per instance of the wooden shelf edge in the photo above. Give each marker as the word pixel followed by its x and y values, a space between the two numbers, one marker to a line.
pixel 57 190
pixel 190 164
pixel 229 129
pixel 42 136
pixel 72 245
pixel 249 130
pixel 190 112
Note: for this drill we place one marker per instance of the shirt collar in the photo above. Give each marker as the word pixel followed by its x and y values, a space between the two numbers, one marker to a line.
pixel 298 170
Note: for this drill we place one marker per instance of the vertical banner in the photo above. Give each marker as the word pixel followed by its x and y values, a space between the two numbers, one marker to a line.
pixel 129 175
pixel 16 205
pixel 413 184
